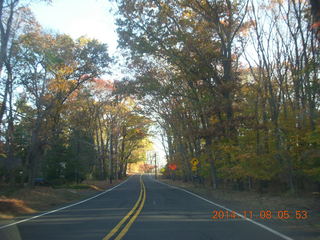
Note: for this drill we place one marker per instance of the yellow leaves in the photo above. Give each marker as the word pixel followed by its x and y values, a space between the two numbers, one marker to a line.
pixel 246 90
pixel 138 131
pixel 65 70
pixel 214 120
pixel 188 14
pixel 203 3
pixel 57 85
pixel 60 82
pixel 83 41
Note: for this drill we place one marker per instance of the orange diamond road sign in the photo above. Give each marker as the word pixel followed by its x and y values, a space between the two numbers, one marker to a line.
pixel 194 162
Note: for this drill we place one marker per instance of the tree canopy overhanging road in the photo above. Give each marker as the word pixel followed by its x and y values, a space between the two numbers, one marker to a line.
pixel 231 88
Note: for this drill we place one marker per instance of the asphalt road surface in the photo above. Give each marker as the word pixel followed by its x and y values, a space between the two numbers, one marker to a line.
pixel 140 208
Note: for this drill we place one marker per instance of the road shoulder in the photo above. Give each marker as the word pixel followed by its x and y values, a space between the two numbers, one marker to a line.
pixel 247 201
pixel 27 202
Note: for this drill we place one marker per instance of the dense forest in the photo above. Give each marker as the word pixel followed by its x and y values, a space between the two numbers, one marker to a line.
pixel 234 84
pixel 60 121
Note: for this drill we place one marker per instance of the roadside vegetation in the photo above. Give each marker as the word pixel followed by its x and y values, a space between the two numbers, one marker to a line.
pixel 60 121
pixel 21 201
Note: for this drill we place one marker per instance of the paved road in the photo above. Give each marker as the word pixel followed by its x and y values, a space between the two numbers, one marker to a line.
pixel 166 213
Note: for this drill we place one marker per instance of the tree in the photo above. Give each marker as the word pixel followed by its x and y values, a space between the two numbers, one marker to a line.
pixel 228 83
pixel 52 68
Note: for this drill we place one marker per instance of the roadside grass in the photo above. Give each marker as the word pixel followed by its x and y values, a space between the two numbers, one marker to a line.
pixel 11 207
pixel 78 186
pixel 17 201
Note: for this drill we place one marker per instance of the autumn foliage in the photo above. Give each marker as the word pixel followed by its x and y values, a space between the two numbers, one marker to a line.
pixel 234 84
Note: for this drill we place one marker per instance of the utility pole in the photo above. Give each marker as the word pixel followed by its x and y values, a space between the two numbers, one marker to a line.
pixel 149 162
pixel 155 165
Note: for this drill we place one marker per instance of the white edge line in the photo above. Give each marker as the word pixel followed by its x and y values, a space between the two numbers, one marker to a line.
pixel 229 210
pixel 62 208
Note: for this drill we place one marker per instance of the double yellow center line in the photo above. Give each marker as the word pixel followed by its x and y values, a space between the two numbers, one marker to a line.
pixel 130 217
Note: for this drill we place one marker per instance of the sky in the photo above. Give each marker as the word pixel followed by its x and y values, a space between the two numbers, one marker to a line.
pixel 78 18
pixel 91 18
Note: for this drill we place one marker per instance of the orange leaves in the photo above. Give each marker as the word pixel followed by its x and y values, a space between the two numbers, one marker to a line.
pixel 316 25
pixel 224 22
pixel 103 84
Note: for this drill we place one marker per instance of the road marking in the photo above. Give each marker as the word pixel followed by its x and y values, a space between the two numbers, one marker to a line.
pixel 225 208
pixel 62 208
pixel 127 227
pixel 140 203
pixel 117 227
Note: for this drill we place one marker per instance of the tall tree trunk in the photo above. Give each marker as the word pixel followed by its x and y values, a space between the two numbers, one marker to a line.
pixel 5 32
pixel 11 159
pixel 33 154
pixel 211 159
pixel 102 153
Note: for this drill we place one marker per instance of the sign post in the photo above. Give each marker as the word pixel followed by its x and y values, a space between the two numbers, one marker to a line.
pixel 194 162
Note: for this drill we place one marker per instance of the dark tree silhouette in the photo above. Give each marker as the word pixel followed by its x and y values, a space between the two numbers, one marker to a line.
pixel 315 10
